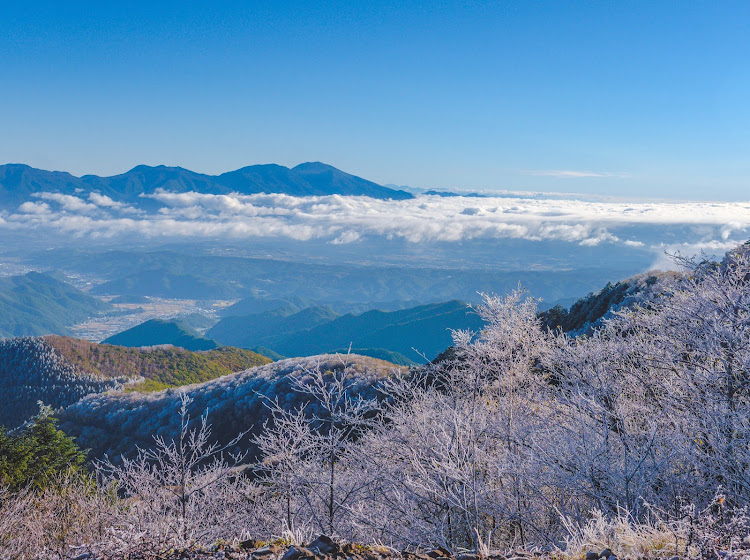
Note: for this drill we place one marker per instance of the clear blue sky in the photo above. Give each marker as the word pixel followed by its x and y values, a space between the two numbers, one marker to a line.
pixel 654 96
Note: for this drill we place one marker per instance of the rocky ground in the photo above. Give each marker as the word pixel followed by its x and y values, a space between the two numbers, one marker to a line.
pixel 325 548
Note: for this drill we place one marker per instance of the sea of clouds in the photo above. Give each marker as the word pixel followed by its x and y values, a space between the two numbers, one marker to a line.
pixel 426 218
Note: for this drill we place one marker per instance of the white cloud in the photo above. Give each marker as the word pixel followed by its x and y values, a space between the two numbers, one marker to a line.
pixel 631 243
pixel 346 237
pixel 341 219
pixel 104 201
pixel 570 174
pixel 34 208
pixel 67 202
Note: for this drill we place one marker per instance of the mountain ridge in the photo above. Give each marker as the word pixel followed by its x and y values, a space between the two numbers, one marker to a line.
pixel 61 370
pixel 418 333
pixel 41 303
pixel 156 332
pixel 20 182
pixel 115 422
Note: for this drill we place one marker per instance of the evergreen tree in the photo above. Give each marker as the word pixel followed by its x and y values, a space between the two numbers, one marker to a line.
pixel 37 454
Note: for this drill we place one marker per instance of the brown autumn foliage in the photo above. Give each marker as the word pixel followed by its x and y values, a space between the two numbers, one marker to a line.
pixel 161 366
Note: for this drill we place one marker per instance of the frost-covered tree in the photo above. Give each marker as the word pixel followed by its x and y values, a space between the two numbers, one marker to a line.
pixel 454 456
pixel 697 338
pixel 307 451
pixel 653 406
pixel 182 490
pixel 609 439
pixel 285 445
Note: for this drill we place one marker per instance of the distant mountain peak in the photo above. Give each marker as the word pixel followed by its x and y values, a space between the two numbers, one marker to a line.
pixel 259 166
pixel 141 167
pixel 18 182
pixel 17 166
pixel 156 168
pixel 314 166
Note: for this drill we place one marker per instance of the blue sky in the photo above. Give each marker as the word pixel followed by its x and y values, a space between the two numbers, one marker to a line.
pixel 628 98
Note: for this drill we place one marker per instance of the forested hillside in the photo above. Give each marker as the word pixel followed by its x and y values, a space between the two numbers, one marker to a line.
pixel 37 304
pixel 115 423
pixel 588 312
pixel 32 370
pixel 59 371
pixel 155 332
pixel 425 329
pixel 161 367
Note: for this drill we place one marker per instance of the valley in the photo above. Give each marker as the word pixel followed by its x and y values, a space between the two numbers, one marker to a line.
pixel 128 315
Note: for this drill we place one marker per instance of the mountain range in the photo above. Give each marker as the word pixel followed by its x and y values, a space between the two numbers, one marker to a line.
pixel 343 287
pixel 416 333
pixel 405 337
pixel 19 182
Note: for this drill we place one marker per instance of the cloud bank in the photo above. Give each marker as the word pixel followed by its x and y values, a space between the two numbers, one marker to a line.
pixel 570 174
pixel 345 219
